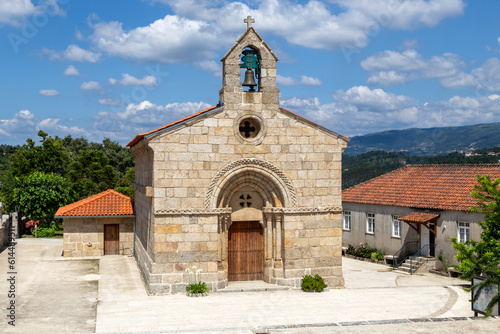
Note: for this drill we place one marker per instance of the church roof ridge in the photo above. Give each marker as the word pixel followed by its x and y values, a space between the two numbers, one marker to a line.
pixel 142 135
pixel 313 124
pixel 138 137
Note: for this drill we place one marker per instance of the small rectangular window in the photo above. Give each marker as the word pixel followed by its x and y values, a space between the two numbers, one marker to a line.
pixel 370 223
pixel 396 227
pixel 463 234
pixel 346 224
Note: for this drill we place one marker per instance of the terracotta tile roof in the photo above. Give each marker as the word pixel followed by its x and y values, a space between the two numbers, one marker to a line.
pixel 107 203
pixel 441 187
pixel 419 217
pixel 141 135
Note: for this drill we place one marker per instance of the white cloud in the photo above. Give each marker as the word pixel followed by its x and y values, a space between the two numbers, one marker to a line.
pixel 304 80
pixel 390 68
pixel 309 81
pixel 210 66
pixel 112 102
pixel 401 14
pixel 198 29
pixel 25 124
pixel 129 80
pixel 364 98
pixel 388 78
pixel 112 81
pixel 360 110
pixel 71 71
pixel 408 60
pixel 410 44
pixel 285 81
pixel 142 117
pixel 91 85
pixel 167 40
pixel 74 53
pixel 48 92
pixel 14 12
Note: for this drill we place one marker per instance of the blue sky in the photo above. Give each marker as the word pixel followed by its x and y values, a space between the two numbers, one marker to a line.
pixel 118 68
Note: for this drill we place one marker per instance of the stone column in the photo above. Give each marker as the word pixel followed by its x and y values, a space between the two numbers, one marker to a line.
pixel 277 247
pixel 223 235
pixel 268 236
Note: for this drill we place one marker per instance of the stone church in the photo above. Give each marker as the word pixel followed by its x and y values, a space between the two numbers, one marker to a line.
pixel 244 190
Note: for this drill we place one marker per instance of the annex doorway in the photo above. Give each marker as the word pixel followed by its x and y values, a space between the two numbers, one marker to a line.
pixel 246 251
pixel 111 239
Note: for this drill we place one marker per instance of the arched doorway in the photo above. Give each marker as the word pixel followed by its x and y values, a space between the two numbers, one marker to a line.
pixel 246 251
pixel 255 192
pixel 245 247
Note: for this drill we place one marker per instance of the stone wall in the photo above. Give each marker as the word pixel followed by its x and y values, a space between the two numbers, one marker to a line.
pixel 85 236
pixel 312 241
pixel 187 175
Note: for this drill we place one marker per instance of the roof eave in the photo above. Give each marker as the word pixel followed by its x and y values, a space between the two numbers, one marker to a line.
pixel 313 124
pixel 108 216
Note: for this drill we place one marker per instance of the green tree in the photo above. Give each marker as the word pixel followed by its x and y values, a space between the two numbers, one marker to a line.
pixel 39 195
pixel 90 173
pixel 119 157
pixel 483 257
pixel 124 184
pixel 49 157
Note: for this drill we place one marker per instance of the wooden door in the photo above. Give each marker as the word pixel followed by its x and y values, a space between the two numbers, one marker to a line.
pixel 246 252
pixel 111 239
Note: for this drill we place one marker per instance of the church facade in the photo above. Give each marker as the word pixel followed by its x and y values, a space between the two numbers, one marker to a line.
pixel 244 190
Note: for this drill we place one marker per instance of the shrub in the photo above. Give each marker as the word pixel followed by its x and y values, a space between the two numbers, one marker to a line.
pixel 350 250
pixel 377 256
pixel 443 260
pixel 44 232
pixel 197 288
pixel 363 251
pixel 310 283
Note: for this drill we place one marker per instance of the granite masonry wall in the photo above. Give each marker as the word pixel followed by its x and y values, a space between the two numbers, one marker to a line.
pixel 85 236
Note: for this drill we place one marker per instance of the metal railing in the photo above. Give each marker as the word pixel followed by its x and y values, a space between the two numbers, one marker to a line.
pixel 430 247
pixel 403 253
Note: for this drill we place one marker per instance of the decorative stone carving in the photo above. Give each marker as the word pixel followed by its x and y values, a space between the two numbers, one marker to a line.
pixel 204 211
pixel 328 209
pixel 270 168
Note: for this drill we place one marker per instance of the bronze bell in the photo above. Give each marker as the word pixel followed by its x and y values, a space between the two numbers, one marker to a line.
pixel 249 80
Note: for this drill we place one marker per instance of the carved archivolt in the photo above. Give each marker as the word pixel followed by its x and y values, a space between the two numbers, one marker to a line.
pixel 264 166
pixel 204 211
pixel 328 209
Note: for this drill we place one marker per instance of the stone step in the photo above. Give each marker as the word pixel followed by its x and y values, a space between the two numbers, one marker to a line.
pixel 404 269
pixel 252 286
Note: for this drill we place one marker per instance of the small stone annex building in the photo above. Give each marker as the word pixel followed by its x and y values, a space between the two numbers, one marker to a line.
pixel 102 224
pixel 416 204
pixel 244 190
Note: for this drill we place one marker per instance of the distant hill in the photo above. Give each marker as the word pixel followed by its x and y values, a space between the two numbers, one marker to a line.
pixel 431 141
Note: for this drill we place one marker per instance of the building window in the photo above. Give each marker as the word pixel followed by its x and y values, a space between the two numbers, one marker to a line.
pixel 463 232
pixel 347 221
pixel 370 223
pixel 396 227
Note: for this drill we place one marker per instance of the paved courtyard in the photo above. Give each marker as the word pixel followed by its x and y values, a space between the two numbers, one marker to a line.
pixel 106 295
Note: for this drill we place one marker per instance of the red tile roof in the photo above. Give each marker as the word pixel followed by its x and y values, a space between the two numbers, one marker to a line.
pixel 141 135
pixel 107 203
pixel 419 217
pixel 440 187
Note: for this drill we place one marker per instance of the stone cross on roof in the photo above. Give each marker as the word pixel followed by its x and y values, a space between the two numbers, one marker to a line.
pixel 249 21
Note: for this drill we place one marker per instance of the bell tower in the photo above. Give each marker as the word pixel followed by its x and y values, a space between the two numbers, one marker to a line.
pixel 249 74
